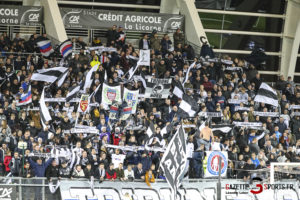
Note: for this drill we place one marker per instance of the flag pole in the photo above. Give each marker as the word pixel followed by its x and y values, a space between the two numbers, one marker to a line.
pixel 219 188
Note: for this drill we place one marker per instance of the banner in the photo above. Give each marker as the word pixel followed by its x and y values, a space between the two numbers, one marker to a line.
pixel 110 94
pixel 294 107
pixel 84 103
pixel 158 88
pixel 114 111
pixel 210 114
pixel 174 161
pixel 239 108
pixel 21 15
pixel 237 101
pixel 212 169
pixel 144 58
pixel 130 21
pixel 132 98
pixel 247 124
pixel 266 114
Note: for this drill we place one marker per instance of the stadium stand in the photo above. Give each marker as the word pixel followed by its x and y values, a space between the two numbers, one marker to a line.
pixel 92 108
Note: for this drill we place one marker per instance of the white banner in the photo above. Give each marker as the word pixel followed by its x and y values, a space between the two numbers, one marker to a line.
pixel 110 94
pixel 212 169
pixel 294 107
pixel 266 114
pixel 239 108
pixel 210 114
pixel 247 124
pixel 237 101
pixel 144 58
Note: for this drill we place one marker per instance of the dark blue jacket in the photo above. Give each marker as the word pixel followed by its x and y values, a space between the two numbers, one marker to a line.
pixel 39 170
pixel 146 161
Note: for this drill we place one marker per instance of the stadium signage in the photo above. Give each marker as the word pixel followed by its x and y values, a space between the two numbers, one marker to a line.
pixel 21 15
pixel 130 21
pixel 206 190
pixel 7 192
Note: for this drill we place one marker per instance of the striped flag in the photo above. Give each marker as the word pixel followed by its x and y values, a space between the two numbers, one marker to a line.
pixel 188 106
pixel 267 95
pixel 61 78
pixel 48 75
pixel 174 161
pixel 45 47
pixel 72 93
pixel 65 48
pixel 187 73
pixel 25 98
pixel 88 78
pixel 44 112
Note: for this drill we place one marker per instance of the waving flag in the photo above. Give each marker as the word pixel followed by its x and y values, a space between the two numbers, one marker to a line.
pixel 25 98
pixel 44 112
pixel 45 47
pixel 48 75
pixel 65 48
pixel 267 95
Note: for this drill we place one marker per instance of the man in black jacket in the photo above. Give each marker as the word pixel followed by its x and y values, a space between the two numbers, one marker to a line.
pixel 64 171
pixel 52 171
pixel 111 35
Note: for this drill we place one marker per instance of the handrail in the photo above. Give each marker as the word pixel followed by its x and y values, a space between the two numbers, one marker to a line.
pixel 228 12
pixel 243 32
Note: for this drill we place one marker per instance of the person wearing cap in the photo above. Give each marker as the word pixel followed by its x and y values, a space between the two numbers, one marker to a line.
pixel 64 170
pixel 155 42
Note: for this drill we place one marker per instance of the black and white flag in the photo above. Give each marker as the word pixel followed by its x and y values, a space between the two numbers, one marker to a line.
pixel 187 73
pixel 88 78
pixel 158 88
pixel 61 78
pixel 72 93
pixel 44 112
pixel 48 75
pixel 188 106
pixel 174 161
pixel 132 70
pixel 150 134
pixel 267 95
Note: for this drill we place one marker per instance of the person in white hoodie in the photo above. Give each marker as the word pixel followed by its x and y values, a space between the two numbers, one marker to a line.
pixel 129 174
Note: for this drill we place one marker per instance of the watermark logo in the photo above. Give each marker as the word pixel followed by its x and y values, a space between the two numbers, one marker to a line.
pixel 256 187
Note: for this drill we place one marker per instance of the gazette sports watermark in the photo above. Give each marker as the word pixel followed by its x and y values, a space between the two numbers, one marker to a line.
pixel 256 187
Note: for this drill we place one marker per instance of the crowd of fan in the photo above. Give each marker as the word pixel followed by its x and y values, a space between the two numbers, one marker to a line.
pixel 209 83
